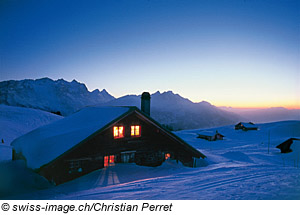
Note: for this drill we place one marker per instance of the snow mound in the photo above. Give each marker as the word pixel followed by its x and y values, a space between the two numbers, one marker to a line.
pixel 5 153
pixel 16 178
pixel 16 121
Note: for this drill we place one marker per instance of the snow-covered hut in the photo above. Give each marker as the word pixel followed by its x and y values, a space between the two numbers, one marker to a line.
pixel 95 137
pixel 210 135
pixel 246 126
pixel 285 147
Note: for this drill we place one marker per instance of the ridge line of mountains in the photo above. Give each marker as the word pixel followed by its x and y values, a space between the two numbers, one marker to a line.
pixel 63 97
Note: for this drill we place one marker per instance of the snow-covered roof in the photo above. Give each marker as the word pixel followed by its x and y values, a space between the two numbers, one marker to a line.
pixel 46 143
pixel 207 133
pixel 248 125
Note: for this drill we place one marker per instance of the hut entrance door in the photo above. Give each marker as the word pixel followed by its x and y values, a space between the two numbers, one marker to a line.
pixel 127 157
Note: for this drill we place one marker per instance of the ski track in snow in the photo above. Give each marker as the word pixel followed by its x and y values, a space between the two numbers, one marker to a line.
pixel 241 182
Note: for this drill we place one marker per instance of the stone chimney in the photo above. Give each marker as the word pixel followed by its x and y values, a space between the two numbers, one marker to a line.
pixel 145 104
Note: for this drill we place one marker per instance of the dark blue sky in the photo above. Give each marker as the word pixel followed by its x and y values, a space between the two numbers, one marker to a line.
pixel 204 50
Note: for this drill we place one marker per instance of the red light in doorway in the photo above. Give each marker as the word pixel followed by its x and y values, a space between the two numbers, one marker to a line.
pixel 106 161
pixel 109 160
pixel 167 156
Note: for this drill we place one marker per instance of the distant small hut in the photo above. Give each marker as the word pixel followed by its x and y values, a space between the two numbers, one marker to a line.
pixel 246 126
pixel 210 135
pixel 285 147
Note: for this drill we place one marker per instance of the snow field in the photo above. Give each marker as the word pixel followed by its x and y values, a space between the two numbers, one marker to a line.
pixel 239 167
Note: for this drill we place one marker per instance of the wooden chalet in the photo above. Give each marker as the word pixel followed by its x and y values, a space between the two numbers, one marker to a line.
pixel 97 137
pixel 285 147
pixel 246 126
pixel 210 135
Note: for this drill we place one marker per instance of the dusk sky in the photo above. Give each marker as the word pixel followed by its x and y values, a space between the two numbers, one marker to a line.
pixel 239 53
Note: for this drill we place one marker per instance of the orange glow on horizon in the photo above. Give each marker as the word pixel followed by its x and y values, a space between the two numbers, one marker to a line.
pixel 291 107
pixel 250 99
pixel 256 105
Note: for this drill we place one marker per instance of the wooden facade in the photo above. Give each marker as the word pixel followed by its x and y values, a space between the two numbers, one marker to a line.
pixel 150 148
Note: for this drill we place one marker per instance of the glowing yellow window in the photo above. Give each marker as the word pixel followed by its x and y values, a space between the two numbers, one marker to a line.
pixel 118 132
pixel 135 131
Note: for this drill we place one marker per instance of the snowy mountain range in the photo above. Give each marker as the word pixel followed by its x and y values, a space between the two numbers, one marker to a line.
pixel 68 97
pixel 167 108
pixel 49 95
pixel 178 112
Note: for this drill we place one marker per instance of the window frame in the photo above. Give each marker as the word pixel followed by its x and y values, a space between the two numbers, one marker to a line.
pixel 118 135
pixel 133 130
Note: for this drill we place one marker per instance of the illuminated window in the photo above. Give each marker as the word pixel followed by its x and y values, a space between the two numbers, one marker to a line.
pixel 135 131
pixel 118 132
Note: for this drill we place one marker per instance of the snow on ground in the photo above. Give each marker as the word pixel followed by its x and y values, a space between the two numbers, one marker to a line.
pixel 246 165
pixel 5 152
pixel 15 178
pixel 16 121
